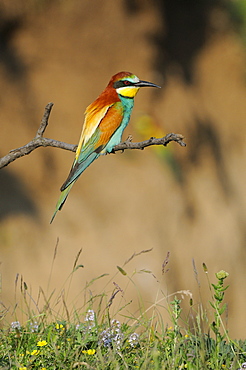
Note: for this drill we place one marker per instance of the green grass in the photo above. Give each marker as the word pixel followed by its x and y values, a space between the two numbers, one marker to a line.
pixel 91 338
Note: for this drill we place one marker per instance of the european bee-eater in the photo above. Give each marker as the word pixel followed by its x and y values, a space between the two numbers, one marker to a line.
pixel 105 120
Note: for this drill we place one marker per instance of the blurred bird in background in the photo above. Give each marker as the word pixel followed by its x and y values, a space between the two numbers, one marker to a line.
pixel 146 126
pixel 105 120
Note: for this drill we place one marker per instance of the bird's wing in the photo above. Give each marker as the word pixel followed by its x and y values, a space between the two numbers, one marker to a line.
pixel 95 136
pixel 93 117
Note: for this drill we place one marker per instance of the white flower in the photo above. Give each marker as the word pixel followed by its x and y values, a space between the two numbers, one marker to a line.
pixel 243 366
pixel 133 339
pixel 79 327
pixel 90 318
pixel 113 336
pixel 33 326
pixel 15 325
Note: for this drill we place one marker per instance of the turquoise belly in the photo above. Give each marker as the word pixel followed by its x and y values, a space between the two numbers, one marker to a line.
pixel 116 137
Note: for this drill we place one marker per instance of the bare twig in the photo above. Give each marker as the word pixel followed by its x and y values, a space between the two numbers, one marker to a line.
pixel 39 141
pixel 44 120
pixel 128 144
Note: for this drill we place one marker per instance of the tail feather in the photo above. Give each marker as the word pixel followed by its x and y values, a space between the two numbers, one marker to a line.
pixel 76 170
pixel 61 200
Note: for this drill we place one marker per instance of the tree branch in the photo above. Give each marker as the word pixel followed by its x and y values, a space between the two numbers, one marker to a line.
pixel 128 144
pixel 39 141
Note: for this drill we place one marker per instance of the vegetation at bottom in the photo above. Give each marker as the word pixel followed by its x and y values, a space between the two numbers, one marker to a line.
pixel 95 339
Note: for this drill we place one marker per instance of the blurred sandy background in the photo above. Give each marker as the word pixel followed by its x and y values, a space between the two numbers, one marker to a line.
pixel 189 201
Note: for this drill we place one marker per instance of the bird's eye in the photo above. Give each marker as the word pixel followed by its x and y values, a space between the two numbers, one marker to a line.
pixel 127 83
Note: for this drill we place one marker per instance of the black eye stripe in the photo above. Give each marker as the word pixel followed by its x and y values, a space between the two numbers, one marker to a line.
pixel 122 83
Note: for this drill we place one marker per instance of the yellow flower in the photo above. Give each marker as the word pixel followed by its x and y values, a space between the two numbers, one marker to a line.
pixel 186 336
pixel 35 352
pixel 59 326
pixel 22 368
pixel 42 343
pixel 221 275
pixel 89 352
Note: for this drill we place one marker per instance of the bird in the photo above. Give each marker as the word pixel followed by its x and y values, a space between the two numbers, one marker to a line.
pixel 105 120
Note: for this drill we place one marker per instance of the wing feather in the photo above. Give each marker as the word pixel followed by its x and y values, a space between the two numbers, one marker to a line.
pixel 95 113
pixel 91 123
pixel 90 147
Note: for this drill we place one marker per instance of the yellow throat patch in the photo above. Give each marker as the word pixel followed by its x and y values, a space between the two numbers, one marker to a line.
pixel 128 91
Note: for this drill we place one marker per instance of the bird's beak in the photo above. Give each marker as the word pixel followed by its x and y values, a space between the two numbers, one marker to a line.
pixel 146 84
